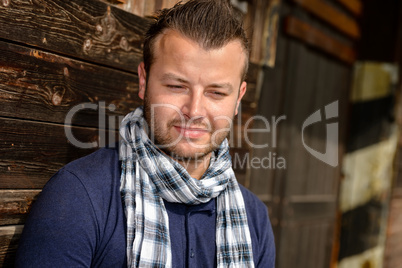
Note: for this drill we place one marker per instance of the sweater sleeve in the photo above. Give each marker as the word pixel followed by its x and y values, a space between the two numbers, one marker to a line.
pixel 261 231
pixel 266 257
pixel 61 230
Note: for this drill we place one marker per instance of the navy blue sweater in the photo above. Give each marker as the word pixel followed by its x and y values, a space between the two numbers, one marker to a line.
pixel 78 221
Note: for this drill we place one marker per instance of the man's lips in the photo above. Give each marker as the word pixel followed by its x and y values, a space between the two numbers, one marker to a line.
pixel 191 132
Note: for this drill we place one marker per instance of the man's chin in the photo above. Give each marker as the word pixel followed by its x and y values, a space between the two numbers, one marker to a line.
pixel 185 154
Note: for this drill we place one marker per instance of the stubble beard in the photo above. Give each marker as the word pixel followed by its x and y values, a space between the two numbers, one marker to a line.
pixel 170 146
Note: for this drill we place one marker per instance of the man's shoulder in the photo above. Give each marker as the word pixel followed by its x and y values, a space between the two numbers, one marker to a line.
pixel 98 172
pixel 102 159
pixel 78 217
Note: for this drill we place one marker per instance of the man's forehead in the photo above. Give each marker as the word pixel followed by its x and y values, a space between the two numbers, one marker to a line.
pixel 173 44
pixel 171 36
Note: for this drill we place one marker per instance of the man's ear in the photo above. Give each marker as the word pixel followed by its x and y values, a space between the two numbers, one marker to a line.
pixel 243 88
pixel 142 80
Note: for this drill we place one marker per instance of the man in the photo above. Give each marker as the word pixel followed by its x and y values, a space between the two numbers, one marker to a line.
pixel 168 197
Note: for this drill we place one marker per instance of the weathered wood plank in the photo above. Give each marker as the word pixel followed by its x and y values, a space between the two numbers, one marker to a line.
pixel 9 236
pixel 255 22
pixel 252 95
pixel 85 29
pixel 314 37
pixel 307 206
pixel 354 6
pixel 306 244
pixel 31 152
pixel 329 14
pixel 43 86
pixel 15 205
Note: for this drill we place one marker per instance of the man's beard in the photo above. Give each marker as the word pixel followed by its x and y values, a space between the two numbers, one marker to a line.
pixel 162 139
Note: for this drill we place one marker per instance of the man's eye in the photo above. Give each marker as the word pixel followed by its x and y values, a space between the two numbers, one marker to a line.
pixel 218 94
pixel 175 86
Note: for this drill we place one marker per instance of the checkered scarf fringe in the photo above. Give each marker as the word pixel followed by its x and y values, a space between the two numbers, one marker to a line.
pixel 148 176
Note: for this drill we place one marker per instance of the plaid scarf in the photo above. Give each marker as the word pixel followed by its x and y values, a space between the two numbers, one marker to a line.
pixel 149 176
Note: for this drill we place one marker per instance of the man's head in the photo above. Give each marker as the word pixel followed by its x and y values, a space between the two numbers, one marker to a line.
pixel 210 23
pixel 192 79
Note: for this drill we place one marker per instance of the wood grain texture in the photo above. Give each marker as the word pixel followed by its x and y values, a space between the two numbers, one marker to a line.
pixel 85 29
pixel 43 86
pixel 15 205
pixel 31 152
pixel 332 16
pixel 314 37
pixel 9 236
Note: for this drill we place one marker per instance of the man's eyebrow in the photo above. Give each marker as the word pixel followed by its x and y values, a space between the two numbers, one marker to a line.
pixel 227 86
pixel 170 76
pixel 221 85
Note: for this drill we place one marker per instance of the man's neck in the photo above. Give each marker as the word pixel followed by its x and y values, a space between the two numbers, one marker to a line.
pixel 196 168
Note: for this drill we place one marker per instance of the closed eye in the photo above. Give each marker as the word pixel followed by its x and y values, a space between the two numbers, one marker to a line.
pixel 174 86
pixel 219 93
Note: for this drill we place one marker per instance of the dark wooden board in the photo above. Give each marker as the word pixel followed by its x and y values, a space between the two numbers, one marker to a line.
pixel 354 6
pixel 307 244
pixel 332 16
pixel 85 29
pixel 15 205
pixel 314 37
pixel 43 86
pixel 9 236
pixel 31 152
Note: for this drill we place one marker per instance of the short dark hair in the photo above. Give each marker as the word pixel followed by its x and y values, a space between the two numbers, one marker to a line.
pixel 210 23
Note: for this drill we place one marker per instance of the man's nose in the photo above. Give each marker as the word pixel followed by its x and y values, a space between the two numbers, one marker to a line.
pixel 194 107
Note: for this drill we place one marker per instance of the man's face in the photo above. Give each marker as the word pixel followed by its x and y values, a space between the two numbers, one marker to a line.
pixel 192 94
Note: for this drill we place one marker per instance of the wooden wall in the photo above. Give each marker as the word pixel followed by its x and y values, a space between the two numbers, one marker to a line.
pixel 313 68
pixel 142 8
pixel 56 56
